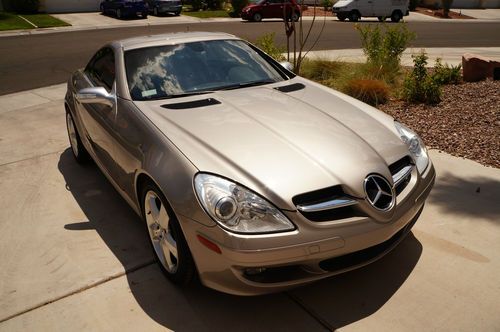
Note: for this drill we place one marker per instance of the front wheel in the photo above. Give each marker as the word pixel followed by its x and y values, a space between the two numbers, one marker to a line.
pixel 396 16
pixel 353 16
pixel 341 17
pixel 79 152
pixel 257 17
pixel 177 13
pixel 166 238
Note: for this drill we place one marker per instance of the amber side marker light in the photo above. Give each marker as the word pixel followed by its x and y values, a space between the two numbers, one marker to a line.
pixel 209 244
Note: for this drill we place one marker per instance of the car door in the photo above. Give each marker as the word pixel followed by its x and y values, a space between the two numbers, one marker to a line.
pixel 99 119
pixel 365 7
pixel 274 9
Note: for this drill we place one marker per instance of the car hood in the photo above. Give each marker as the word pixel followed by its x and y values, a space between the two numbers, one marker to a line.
pixel 281 144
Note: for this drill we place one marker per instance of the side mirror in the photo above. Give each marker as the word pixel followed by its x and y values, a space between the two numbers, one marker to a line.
pixel 97 95
pixel 287 65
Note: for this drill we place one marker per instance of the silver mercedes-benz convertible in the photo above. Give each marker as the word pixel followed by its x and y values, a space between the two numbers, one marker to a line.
pixel 253 178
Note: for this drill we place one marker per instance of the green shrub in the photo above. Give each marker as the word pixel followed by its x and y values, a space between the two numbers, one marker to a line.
pixel 418 86
pixel 384 48
pixel 445 74
pixel 238 6
pixel 267 44
pixel 372 92
pixel 327 4
pixel 25 6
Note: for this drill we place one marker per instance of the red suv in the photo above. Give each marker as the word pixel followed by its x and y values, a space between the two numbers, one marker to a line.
pixel 288 9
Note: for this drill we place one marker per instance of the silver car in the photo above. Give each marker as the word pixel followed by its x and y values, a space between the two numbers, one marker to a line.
pixel 253 178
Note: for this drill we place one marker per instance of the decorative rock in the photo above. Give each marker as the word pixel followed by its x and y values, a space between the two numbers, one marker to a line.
pixel 477 68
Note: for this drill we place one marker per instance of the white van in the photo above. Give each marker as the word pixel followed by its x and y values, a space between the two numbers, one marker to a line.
pixel 355 9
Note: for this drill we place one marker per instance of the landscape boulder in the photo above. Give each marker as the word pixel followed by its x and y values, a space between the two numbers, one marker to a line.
pixel 477 68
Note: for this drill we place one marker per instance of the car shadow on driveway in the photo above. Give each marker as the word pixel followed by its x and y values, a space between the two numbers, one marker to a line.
pixel 334 302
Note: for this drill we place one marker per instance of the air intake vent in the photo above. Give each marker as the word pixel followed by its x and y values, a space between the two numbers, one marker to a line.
pixel 290 88
pixel 192 104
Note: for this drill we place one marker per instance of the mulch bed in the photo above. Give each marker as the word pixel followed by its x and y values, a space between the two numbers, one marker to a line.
pixel 466 123
pixel 439 13
pixel 320 12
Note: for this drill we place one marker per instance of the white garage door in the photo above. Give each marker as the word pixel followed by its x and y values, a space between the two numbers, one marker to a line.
pixel 64 6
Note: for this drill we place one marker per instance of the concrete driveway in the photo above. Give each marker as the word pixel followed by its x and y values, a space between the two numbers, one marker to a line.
pixel 73 256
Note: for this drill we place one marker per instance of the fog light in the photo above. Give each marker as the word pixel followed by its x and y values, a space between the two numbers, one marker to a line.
pixel 251 271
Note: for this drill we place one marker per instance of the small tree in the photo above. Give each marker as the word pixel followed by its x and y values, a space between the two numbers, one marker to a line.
pixel 446 7
pixel 300 35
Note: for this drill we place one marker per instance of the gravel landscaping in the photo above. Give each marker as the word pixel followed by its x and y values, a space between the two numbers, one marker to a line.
pixel 466 123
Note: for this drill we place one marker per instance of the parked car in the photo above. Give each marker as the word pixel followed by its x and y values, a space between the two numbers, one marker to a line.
pixel 159 7
pixel 244 173
pixel 125 8
pixel 284 9
pixel 355 9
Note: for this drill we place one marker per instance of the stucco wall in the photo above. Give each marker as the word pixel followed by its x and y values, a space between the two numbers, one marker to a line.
pixel 64 6
pixel 466 3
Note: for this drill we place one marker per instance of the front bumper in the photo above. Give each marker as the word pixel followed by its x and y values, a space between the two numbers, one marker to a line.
pixel 311 252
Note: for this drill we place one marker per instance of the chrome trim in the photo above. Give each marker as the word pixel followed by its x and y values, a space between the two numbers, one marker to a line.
pixel 332 204
pixel 402 174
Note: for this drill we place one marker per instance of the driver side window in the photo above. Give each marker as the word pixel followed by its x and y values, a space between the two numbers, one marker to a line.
pixel 101 68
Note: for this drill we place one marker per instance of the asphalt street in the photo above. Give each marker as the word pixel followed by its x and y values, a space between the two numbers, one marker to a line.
pixel 33 61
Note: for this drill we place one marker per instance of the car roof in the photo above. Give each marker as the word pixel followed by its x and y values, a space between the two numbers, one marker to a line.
pixel 169 39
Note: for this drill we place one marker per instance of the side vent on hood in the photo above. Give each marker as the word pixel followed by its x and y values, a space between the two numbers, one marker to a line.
pixel 290 87
pixel 192 104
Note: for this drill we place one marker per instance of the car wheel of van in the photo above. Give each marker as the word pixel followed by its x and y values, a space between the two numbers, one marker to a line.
pixel 79 152
pixel 119 13
pixel 353 16
pixel 381 18
pixel 257 17
pixel 168 243
pixel 396 16
pixel 177 13
pixel 341 17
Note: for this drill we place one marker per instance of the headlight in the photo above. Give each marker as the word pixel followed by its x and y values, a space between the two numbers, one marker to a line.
pixel 415 145
pixel 236 208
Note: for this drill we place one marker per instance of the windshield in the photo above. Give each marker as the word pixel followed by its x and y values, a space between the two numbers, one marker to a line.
pixel 178 70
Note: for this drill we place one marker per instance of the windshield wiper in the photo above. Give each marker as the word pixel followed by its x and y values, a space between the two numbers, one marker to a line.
pixel 245 84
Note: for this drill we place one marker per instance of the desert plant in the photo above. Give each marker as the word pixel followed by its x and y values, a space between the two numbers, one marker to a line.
pixel 372 92
pixel 384 48
pixel 418 85
pixel 320 70
pixel 25 6
pixel 267 44
pixel 446 74
pixel 238 6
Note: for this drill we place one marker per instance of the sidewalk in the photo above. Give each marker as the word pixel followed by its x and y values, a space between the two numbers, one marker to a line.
pixel 74 256
pixel 452 56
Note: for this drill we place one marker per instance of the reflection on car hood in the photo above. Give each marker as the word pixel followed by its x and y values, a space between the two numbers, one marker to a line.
pixel 282 144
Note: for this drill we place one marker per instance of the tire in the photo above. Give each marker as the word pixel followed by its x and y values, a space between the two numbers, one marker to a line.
pixel 144 15
pixel 155 12
pixel 119 13
pixel 166 238
pixel 354 16
pixel 396 16
pixel 79 151
pixel 257 17
pixel 341 17
pixel 295 17
pixel 381 18
pixel 177 13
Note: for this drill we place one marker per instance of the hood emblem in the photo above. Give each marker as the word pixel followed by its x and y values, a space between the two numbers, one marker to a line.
pixel 379 192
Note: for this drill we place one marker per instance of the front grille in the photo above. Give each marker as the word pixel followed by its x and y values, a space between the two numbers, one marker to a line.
pixel 325 195
pixel 398 166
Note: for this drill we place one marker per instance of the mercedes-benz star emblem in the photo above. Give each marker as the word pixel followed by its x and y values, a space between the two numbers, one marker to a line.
pixel 379 192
